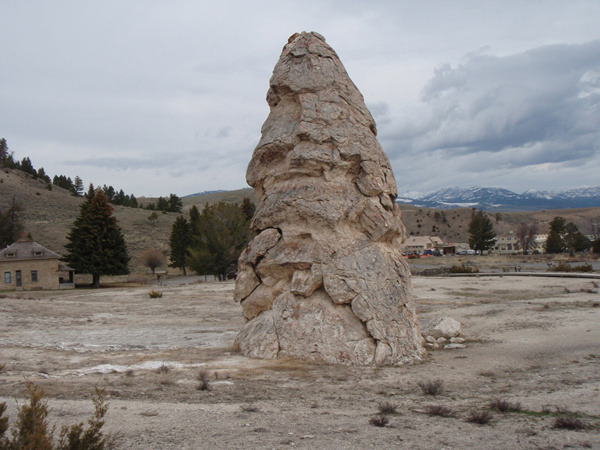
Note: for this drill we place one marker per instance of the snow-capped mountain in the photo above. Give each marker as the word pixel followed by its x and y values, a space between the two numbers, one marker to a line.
pixel 498 199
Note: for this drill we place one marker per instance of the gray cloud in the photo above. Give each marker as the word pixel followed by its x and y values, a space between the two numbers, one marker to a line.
pixel 156 97
pixel 544 102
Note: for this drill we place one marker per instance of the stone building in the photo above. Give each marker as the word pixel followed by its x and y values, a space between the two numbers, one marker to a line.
pixel 26 265
pixel 418 245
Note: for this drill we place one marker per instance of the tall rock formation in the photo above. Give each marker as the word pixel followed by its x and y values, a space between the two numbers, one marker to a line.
pixel 324 278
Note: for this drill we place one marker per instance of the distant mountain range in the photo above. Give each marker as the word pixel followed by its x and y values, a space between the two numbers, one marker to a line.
pixel 498 199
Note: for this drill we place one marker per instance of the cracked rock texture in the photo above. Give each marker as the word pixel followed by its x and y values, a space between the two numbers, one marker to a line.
pixel 324 278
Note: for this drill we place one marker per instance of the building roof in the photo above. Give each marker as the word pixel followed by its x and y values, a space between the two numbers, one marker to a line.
pixel 25 249
pixel 422 240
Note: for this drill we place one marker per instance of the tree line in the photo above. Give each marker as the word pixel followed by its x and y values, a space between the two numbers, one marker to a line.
pixel 563 236
pixel 210 241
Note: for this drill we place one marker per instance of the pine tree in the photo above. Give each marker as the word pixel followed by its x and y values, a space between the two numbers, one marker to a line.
pixel 555 242
pixel 481 232
pixel 179 242
pixel 174 204
pixel 78 186
pixel 248 208
pixel 218 236
pixel 10 224
pixel 95 242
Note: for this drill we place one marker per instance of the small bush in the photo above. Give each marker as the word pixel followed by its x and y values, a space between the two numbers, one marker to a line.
pixel 250 408
pixel 204 383
pixel 504 405
pixel 379 421
pixel 163 369
pixel 155 294
pixel 439 410
pixel 434 387
pixel 480 417
pixel 463 268
pixel 387 408
pixel 568 423
pixel 562 267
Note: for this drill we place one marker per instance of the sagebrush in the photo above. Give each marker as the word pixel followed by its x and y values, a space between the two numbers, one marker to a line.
pixel 32 430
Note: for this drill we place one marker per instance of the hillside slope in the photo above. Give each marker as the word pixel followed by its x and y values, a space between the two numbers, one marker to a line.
pixel 49 215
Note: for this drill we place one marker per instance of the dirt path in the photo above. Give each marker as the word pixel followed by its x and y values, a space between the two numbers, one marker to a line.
pixel 532 341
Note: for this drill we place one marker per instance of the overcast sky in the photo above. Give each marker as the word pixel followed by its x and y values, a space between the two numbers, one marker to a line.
pixel 157 97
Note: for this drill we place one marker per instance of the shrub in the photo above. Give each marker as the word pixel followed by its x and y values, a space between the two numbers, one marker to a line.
pixel 434 387
pixel 480 417
pixel 155 294
pixel 204 383
pixel 439 410
pixel 568 423
pixel 561 267
pixel 504 405
pixel 387 408
pixel 379 421
pixel 32 429
pixel 76 437
pixel 163 369
pixel 250 408
pixel 463 268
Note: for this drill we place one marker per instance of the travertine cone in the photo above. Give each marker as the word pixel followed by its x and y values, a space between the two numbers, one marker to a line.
pixel 323 279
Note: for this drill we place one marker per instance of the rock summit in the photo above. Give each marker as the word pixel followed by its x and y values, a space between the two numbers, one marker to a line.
pixel 324 278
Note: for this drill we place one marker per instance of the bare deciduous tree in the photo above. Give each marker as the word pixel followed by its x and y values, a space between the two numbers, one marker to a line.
pixel 152 258
pixel 526 235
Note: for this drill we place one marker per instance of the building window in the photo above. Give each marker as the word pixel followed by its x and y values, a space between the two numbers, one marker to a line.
pixel 34 275
pixel 10 255
pixel 7 277
pixel 38 253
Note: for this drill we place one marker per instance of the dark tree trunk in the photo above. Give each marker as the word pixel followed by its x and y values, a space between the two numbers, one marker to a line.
pixel 96 280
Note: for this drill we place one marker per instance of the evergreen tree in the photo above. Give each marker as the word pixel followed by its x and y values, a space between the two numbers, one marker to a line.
pixel 95 242
pixel 179 242
pixel 41 174
pixel 6 157
pixel 248 208
pixel 481 232
pixel 10 224
pixel 174 204
pixel 218 236
pixel 3 150
pixel 27 167
pixel 162 204
pixel 596 246
pixel 554 243
pixel 78 186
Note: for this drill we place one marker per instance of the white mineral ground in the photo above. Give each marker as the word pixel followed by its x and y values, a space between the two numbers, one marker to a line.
pixel 530 340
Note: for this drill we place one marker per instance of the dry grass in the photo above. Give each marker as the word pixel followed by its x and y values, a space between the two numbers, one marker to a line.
pixel 250 408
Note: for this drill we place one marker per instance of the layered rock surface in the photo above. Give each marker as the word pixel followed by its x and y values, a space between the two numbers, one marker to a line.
pixel 324 278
